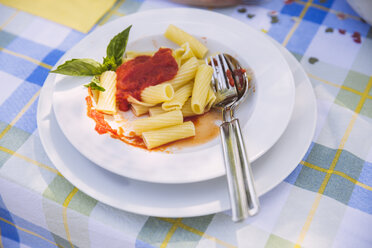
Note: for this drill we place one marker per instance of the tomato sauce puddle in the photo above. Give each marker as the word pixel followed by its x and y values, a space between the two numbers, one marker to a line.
pixel 206 130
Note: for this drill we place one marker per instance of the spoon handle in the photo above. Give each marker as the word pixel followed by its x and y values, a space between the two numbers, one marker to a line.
pixel 253 202
pixel 234 173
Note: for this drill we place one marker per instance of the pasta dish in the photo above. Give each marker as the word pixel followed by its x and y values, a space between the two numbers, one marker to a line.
pixel 169 85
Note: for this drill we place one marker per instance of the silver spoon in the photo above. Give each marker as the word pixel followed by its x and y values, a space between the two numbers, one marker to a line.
pixel 231 85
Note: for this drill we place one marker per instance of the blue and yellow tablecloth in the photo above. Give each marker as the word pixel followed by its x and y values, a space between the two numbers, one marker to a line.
pixel 325 202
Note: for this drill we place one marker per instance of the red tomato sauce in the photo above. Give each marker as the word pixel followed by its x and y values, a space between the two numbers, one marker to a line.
pixel 229 76
pixel 141 72
pixel 103 127
pixel 205 126
pixel 239 73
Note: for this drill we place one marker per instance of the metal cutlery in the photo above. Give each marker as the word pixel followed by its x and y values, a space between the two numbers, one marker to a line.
pixel 231 86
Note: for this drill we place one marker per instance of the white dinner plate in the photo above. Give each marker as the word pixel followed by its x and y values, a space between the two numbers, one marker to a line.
pixel 264 116
pixel 180 200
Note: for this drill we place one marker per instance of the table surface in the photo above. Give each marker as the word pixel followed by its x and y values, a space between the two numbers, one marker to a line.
pixel 325 202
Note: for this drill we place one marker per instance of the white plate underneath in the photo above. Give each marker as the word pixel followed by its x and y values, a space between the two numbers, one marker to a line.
pixel 180 200
pixel 263 116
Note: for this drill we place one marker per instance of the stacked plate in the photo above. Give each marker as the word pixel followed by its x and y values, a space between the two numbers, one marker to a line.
pixel 278 122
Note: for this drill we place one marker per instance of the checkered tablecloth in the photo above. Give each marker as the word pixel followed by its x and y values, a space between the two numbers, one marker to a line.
pixel 325 202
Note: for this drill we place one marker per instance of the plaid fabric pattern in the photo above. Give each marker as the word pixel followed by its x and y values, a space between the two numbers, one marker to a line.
pixel 325 202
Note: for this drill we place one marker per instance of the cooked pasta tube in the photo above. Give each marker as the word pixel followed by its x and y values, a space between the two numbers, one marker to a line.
pixel 163 136
pixel 133 54
pixel 183 54
pixel 201 61
pixel 133 100
pixel 156 110
pixel 211 98
pixel 139 110
pixel 186 109
pixel 180 97
pixel 158 93
pixel 177 54
pixel 188 53
pixel 185 73
pixel 107 99
pixel 95 95
pixel 201 87
pixel 179 37
pixel 158 121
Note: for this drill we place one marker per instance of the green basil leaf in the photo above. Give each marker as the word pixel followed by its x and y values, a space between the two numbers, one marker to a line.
pixel 109 64
pixel 95 85
pixel 80 67
pixel 117 46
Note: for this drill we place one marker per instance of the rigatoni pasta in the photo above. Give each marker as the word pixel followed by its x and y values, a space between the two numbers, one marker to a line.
pixel 133 54
pixel 156 110
pixel 106 99
pixel 185 73
pixel 153 95
pixel 180 97
pixel 163 136
pixel 201 87
pixel 211 98
pixel 183 53
pixel 187 110
pixel 158 121
pixel 133 100
pixel 188 53
pixel 157 94
pixel 201 61
pixel 179 37
pixel 138 109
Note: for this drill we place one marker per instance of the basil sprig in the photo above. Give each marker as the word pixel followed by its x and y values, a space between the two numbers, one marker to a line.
pixel 95 84
pixel 89 67
pixel 117 46
pixel 80 67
